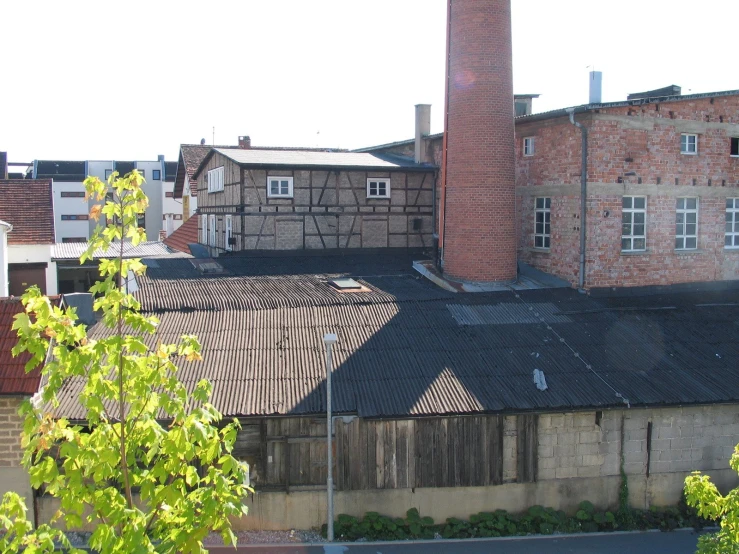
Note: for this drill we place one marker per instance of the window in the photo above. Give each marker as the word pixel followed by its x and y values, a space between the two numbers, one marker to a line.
pixel 72 194
pixel 542 222
pixel 156 174
pixel 688 144
pixel 142 172
pixel 528 146
pixel 203 229
pixel 108 173
pixel 378 188
pixel 141 221
pixel 229 232
pixel 169 194
pixel 634 224
pixel 215 179
pixel 734 147
pixel 732 223
pixel 279 187
pixel 686 232
pixel 212 229
pixel 84 217
pixel 74 239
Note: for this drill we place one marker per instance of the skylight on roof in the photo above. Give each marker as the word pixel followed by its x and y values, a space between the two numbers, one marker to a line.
pixel 345 284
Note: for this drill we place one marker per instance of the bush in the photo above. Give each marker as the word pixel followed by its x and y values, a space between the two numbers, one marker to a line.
pixel 537 520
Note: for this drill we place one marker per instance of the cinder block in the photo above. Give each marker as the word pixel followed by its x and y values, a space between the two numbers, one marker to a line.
pixel 589 437
pixel 565 472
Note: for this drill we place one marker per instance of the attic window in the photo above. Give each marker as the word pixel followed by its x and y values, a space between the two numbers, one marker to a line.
pixel 347 285
pixel 378 188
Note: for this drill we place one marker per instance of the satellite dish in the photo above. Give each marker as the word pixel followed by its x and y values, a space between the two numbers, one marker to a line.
pixel 202 142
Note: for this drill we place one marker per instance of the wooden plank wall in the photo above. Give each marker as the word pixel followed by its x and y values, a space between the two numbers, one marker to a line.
pixel 434 452
pixel 290 453
pixel 527 448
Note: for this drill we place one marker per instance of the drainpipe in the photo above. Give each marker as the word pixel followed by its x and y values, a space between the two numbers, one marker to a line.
pixel 442 200
pixel 583 195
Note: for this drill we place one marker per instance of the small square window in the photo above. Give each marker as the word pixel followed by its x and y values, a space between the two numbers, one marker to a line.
pixel 378 188
pixel 215 180
pixel 688 144
pixel 734 146
pixel 280 187
pixel 142 172
pixel 108 172
pixel 156 174
pixel 528 146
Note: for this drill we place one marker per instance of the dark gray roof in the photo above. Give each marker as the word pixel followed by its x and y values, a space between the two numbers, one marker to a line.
pixel 408 348
pixel 309 159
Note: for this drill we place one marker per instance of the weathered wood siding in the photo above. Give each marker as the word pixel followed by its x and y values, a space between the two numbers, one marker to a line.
pixel 290 453
pixel 328 210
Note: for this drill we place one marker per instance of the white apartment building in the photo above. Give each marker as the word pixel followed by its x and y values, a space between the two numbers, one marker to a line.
pixel 71 211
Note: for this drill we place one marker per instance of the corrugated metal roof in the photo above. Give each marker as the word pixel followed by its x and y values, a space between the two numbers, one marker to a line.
pixel 402 353
pixel 73 250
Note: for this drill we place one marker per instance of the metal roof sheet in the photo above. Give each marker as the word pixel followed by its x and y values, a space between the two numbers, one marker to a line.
pixel 401 352
pixel 73 250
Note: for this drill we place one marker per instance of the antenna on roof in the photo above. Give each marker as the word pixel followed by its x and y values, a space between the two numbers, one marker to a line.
pixel 214 137
pixel 202 142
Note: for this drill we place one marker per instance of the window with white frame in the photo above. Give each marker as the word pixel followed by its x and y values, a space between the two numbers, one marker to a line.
pixel 634 224
pixel 203 229
pixel 280 187
pixel 215 179
pixel 542 222
pixel 688 144
pixel 686 221
pixel 378 188
pixel 528 146
pixel 229 232
pixel 732 223
pixel 212 231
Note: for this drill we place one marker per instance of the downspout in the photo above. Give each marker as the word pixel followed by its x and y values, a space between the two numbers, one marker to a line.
pixel 583 195
pixel 442 201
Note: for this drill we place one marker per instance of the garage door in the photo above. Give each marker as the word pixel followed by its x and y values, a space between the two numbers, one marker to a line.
pixel 22 276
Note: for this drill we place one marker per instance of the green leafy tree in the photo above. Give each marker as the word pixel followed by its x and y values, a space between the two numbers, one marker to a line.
pixel 152 469
pixel 702 494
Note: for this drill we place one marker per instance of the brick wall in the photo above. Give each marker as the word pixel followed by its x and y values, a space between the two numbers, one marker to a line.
pixel 633 150
pixel 11 426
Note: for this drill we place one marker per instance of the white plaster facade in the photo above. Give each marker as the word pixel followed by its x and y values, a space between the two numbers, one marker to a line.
pixel 33 254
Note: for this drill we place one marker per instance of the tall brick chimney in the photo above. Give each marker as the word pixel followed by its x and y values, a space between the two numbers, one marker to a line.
pixel 245 142
pixel 479 234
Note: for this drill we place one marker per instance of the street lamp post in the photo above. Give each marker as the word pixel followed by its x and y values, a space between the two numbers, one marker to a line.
pixel 329 339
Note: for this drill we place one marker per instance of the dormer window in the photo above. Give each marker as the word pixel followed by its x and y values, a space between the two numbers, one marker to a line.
pixel 279 187
pixel 378 188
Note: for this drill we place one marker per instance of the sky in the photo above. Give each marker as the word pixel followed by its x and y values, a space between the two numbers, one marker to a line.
pixel 132 80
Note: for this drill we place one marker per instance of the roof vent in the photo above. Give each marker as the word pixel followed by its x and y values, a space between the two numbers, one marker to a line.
pixel 539 380
pixel 347 284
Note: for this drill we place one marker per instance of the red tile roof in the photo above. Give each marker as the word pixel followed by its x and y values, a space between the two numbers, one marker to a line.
pixel 13 376
pixel 27 204
pixel 186 234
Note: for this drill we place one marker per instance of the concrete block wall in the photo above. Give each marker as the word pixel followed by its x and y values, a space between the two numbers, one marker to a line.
pixel 633 150
pixel 589 444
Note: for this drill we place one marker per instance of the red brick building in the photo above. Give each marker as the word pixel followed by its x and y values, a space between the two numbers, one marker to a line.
pixel 662 190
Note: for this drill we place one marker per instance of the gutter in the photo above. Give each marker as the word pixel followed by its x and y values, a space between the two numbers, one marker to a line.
pixel 583 196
